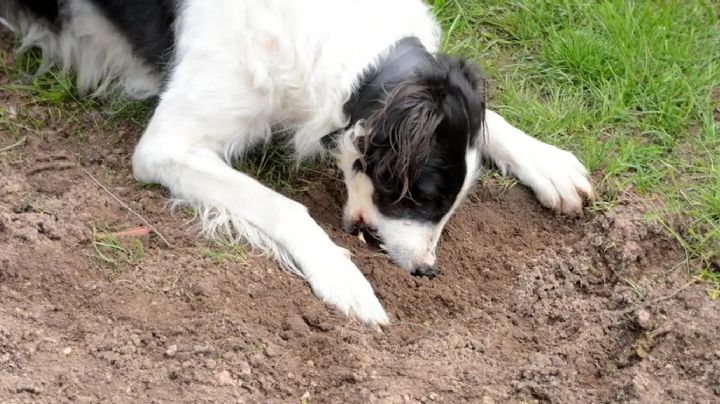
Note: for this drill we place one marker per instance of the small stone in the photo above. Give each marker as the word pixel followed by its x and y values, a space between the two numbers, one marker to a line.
pixel 644 319
pixel 224 378
pixel 210 364
pixel 272 350
pixel 67 351
pixel 257 359
pixel 29 388
pixel 136 340
pixel 433 396
pixel 296 325
pixel 183 356
pixel 199 290
pixel 309 364
pixel 487 400
pixel 352 378
pixel 201 350
pixel 244 368
pixel 171 351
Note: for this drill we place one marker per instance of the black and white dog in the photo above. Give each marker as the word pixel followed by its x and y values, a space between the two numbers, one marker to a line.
pixel 360 79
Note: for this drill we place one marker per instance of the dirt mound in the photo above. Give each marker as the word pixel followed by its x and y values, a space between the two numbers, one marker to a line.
pixel 529 306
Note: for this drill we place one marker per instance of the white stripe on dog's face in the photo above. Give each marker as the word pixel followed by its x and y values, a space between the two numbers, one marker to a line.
pixel 410 241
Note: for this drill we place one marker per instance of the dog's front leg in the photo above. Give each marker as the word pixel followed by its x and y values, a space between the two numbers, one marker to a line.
pixel 172 154
pixel 558 179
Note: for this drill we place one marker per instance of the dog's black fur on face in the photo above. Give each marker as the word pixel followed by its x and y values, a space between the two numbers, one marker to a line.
pixel 415 147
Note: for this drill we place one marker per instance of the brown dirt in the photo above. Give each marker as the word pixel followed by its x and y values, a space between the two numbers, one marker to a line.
pixel 529 307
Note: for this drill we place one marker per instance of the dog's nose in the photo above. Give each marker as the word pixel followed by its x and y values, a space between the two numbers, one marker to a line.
pixel 426 271
pixel 351 227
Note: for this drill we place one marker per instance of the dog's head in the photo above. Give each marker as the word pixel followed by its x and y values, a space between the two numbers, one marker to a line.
pixel 408 165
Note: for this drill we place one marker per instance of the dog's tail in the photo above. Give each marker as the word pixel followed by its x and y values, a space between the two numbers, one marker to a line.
pixel 74 35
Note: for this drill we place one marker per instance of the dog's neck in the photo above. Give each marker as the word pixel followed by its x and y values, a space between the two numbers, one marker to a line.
pixel 401 62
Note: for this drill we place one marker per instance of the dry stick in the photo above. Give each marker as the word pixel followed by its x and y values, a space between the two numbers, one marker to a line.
pixel 670 296
pixel 124 205
pixel 660 299
pixel 14 145
pixel 51 166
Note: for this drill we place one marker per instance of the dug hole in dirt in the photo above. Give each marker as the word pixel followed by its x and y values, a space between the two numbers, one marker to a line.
pixel 530 307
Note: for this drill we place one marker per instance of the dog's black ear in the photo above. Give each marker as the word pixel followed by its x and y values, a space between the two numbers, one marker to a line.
pixel 400 134
pixel 467 91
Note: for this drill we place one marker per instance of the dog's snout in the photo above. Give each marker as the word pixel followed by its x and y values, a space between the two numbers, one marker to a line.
pixel 353 224
pixel 351 227
pixel 426 271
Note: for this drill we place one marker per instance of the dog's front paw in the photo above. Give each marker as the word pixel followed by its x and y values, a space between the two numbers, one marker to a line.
pixel 560 181
pixel 337 281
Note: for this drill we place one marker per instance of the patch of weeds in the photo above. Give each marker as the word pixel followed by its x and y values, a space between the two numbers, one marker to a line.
pixel 493 177
pixel 30 204
pixel 712 282
pixel 120 111
pixel 53 88
pixel 639 291
pixel 114 252
pixel 274 165
pixel 8 122
pixel 226 252
pixel 150 186
pixel 56 90
pixel 190 211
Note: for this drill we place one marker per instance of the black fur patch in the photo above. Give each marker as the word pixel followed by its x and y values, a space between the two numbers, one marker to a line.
pixel 147 25
pixel 45 9
pixel 416 144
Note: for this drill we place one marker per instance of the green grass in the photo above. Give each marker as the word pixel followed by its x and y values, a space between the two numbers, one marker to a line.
pixel 275 166
pixel 225 251
pixel 57 94
pixel 630 86
pixel 115 253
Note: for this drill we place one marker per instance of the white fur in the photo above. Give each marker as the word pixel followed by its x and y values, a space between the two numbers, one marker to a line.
pixel 558 179
pixel 244 67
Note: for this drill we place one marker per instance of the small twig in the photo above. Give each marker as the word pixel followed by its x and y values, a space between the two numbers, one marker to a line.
pixel 14 145
pixel 124 205
pixel 50 166
pixel 134 232
pixel 673 294
pixel 660 299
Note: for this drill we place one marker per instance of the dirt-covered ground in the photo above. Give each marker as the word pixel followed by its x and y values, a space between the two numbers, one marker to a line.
pixel 529 306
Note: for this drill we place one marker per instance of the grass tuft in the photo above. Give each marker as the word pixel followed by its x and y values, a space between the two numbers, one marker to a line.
pixel 115 253
pixel 226 251
pixel 275 165
pixel 631 86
